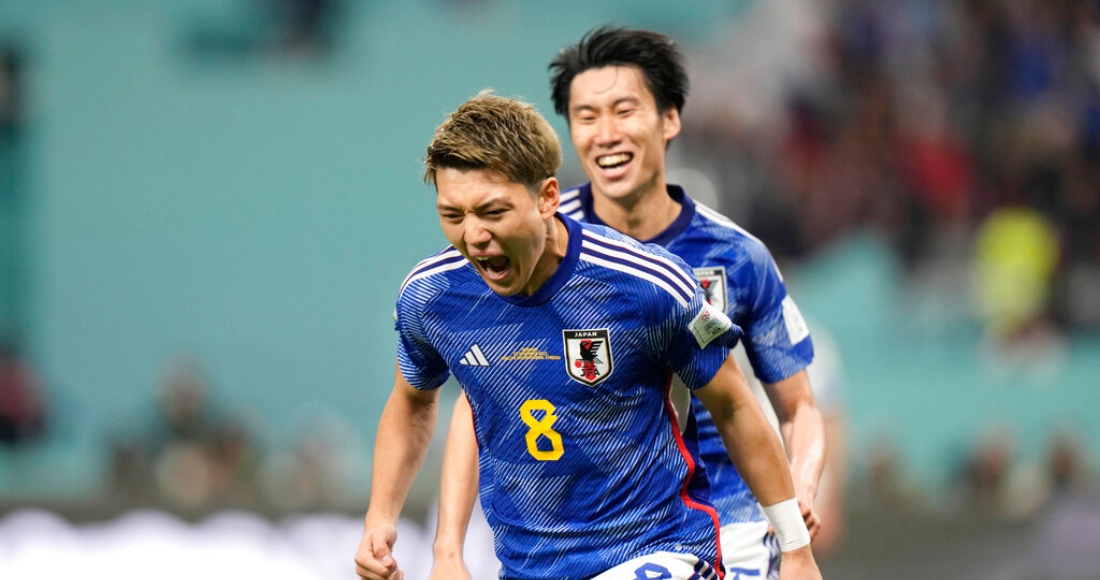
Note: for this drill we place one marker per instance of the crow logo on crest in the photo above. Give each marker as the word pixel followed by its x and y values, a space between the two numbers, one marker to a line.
pixel 589 358
pixel 588 353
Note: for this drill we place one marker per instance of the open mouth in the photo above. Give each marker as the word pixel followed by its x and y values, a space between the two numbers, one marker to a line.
pixel 614 161
pixel 495 267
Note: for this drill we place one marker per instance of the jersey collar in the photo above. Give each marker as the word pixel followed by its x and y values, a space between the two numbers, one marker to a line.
pixel 671 232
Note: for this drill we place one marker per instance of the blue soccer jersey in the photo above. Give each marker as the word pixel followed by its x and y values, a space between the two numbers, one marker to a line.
pixel 741 278
pixel 583 464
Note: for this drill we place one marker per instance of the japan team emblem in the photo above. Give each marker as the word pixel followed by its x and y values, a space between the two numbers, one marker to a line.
pixel 713 281
pixel 588 355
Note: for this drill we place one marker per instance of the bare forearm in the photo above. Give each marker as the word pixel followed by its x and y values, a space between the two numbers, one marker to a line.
pixel 752 444
pixel 805 441
pixel 758 455
pixel 803 429
pixel 458 488
pixel 404 432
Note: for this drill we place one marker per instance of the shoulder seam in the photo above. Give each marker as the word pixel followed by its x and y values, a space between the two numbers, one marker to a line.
pixel 723 221
pixel 449 259
pixel 656 269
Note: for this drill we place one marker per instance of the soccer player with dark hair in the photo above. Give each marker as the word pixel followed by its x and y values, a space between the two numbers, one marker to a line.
pixel 565 338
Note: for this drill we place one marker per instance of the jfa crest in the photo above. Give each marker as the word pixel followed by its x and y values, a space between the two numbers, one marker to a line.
pixel 713 281
pixel 588 355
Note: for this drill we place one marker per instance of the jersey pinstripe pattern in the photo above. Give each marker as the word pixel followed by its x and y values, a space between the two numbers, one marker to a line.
pixel 754 300
pixel 628 481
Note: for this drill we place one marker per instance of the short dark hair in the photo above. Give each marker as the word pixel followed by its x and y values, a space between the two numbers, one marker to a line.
pixel 498 134
pixel 655 54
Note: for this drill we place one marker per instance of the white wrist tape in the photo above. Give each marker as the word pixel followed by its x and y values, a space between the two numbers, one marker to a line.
pixel 786 520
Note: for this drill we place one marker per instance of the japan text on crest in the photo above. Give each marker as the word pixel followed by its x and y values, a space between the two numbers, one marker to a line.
pixel 588 355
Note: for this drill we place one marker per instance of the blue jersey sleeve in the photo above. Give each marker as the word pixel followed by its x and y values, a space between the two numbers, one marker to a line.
pixel 776 336
pixel 698 339
pixel 418 360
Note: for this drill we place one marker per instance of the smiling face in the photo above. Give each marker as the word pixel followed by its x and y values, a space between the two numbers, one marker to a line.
pixel 619 133
pixel 499 226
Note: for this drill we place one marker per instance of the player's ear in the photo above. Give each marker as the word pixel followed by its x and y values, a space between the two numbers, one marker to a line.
pixel 670 118
pixel 548 197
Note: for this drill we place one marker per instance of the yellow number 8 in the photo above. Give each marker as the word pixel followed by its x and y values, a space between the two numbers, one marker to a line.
pixel 541 428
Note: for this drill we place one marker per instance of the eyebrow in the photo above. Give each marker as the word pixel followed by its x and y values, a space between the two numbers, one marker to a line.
pixel 619 101
pixel 478 208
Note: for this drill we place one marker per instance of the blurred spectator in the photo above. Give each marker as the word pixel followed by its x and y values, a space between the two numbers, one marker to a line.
pixel 1068 471
pixel 302 27
pixel 23 410
pixel 325 467
pixel 934 162
pixel 986 473
pixel 287 29
pixel 192 456
pixel 1015 259
pixel 11 89
pixel 887 482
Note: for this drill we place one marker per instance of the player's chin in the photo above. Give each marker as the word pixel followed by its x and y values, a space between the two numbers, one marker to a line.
pixel 618 188
pixel 503 286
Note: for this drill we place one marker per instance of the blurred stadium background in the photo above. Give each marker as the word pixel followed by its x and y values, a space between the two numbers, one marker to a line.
pixel 207 206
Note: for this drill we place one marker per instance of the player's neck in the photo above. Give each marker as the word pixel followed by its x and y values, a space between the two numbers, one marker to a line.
pixel 557 242
pixel 643 215
pixel 557 245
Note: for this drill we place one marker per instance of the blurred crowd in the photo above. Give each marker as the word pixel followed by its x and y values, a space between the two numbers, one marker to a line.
pixel 289 30
pixel 196 453
pixel 965 132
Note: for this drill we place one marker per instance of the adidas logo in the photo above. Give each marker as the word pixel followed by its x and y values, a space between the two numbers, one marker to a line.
pixel 474 358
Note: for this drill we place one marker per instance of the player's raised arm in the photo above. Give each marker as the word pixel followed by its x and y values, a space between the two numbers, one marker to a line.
pixel 404 432
pixel 457 493
pixel 758 455
pixel 803 430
